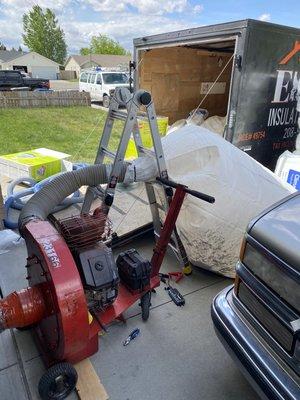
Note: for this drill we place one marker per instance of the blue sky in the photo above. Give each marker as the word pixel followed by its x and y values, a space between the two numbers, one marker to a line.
pixel 125 19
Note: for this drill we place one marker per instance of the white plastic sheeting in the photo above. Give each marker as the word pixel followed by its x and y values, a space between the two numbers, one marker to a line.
pixel 196 117
pixel 215 124
pixel 212 233
pixel 142 169
pixel 8 240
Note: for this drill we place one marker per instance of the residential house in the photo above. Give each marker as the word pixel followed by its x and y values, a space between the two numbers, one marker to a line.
pixel 31 62
pixel 77 63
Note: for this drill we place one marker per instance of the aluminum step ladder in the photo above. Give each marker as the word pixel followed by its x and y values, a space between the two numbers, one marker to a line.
pixel 134 102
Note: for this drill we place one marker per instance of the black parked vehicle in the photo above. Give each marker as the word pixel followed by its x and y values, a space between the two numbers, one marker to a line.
pixel 258 320
pixel 13 79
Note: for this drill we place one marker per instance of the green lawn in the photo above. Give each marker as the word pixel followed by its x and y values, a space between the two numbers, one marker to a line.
pixel 73 130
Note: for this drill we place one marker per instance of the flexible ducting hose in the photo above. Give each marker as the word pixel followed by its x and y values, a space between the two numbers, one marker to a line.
pixel 16 199
pixel 45 200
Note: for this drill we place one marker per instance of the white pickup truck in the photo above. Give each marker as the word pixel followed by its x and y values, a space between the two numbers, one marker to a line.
pixel 101 84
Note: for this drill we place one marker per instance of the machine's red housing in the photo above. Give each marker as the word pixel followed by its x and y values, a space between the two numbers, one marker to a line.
pixel 64 334
pixel 55 300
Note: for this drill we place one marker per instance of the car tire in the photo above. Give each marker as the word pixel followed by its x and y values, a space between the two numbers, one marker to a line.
pixel 106 101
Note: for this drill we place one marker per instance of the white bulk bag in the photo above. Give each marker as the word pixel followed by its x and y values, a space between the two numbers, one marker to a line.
pixel 215 124
pixel 204 161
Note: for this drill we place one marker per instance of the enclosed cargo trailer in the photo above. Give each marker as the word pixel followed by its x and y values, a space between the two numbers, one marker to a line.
pixel 247 71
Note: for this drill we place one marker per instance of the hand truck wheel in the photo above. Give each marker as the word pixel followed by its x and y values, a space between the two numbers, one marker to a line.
pixel 58 382
pixel 145 305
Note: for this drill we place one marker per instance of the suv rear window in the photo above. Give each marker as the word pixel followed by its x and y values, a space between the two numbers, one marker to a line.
pixel 83 77
pixel 92 78
pixel 111 78
pixel 99 79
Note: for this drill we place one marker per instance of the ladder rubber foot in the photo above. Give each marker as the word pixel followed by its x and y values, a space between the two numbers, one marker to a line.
pixel 187 270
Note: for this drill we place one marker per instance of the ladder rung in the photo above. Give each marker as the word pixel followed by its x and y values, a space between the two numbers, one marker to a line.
pixel 160 207
pixel 119 115
pixel 149 152
pixel 174 248
pixel 97 190
pixel 108 153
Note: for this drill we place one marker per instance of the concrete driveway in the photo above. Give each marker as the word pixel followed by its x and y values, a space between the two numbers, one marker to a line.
pixel 64 85
pixel 176 357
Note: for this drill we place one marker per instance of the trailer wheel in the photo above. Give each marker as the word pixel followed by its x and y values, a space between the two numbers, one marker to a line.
pixel 58 382
pixel 145 305
pixel 106 101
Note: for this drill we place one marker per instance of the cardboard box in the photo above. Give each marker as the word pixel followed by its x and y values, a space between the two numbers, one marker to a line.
pixel 144 128
pixel 37 164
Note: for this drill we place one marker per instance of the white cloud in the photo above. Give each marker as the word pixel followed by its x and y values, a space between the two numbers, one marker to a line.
pixel 265 17
pixel 123 20
pixel 110 6
pixel 156 7
pixel 123 28
pixel 11 13
pixel 13 8
pixel 11 33
pixel 198 8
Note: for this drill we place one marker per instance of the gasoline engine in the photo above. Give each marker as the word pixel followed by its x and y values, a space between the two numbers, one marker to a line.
pixel 97 268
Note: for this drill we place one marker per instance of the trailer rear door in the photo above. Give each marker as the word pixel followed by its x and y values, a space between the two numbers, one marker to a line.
pixel 266 116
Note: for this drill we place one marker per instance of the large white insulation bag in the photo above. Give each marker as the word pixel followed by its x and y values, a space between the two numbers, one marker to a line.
pixel 204 161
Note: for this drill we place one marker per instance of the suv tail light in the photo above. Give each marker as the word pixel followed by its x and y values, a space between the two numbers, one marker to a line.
pixel 236 285
pixel 237 279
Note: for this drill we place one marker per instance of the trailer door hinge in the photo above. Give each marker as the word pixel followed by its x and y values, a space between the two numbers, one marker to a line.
pixel 238 61
pixel 231 119
pixel 132 65
pixel 132 68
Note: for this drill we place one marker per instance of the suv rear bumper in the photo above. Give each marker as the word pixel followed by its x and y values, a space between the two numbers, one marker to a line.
pixel 260 367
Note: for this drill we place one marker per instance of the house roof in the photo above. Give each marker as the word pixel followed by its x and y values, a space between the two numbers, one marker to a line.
pixel 7 55
pixel 103 60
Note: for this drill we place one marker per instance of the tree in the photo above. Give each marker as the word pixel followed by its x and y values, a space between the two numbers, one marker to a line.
pixel 2 46
pixel 43 35
pixel 103 44
pixel 20 49
pixel 84 51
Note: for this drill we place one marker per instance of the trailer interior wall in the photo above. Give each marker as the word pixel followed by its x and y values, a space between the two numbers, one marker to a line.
pixel 178 78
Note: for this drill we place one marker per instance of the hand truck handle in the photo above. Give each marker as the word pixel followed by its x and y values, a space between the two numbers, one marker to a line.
pixel 195 193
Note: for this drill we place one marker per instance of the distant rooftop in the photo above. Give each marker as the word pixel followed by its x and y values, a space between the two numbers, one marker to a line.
pixel 103 60
pixel 7 55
